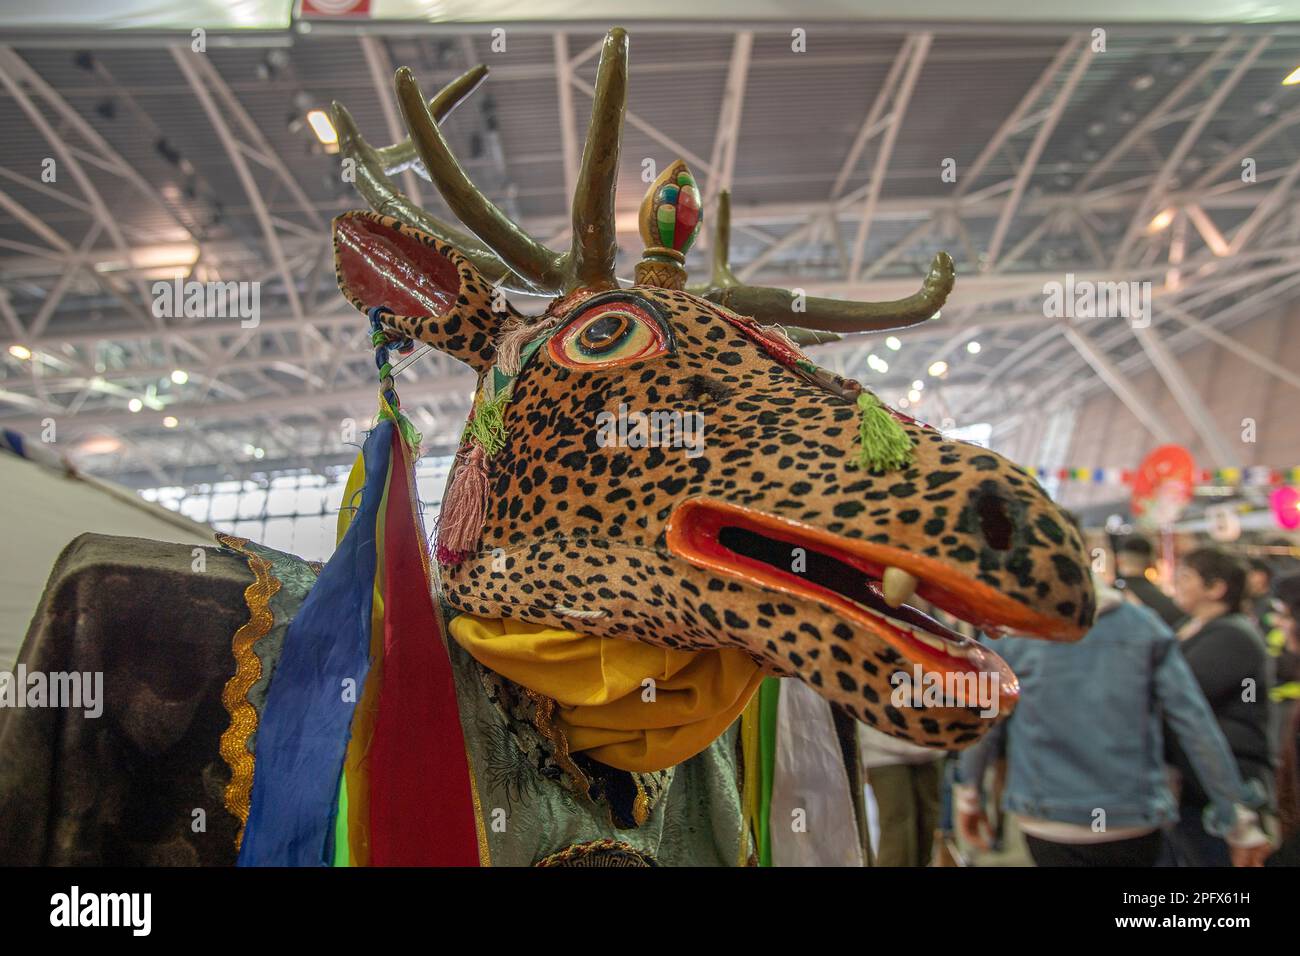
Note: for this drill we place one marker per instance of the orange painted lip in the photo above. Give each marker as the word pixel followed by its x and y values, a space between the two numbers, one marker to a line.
pixel 692 534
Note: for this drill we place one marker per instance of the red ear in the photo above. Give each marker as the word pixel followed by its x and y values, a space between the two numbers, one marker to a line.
pixel 434 293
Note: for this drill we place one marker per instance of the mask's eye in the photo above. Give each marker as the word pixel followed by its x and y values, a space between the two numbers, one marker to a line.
pixel 607 334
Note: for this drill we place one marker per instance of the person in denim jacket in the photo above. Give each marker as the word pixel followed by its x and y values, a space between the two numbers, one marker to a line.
pixel 1087 782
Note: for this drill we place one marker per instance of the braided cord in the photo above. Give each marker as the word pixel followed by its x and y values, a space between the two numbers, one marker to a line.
pixel 386 341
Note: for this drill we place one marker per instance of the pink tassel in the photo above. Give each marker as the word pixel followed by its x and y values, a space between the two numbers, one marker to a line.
pixel 464 509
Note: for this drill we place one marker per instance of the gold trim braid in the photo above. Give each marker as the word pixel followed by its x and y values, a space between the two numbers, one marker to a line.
pixel 545 722
pixel 248 670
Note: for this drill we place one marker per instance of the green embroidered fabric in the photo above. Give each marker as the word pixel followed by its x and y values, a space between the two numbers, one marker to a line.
pixel 530 812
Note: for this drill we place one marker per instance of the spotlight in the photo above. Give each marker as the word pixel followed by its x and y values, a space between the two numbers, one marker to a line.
pixel 973 347
pixel 170 422
pixel 135 404
pixel 938 368
pixel 324 129
pixel 180 376
pixel 1161 220
pixel 893 343
pixel 20 352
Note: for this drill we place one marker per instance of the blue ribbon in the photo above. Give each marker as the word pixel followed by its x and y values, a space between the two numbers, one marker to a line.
pixel 303 735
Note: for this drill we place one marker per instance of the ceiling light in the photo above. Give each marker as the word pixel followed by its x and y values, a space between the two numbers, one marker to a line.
pixel 938 368
pixel 170 422
pixel 1161 220
pixel 1292 78
pixel 100 445
pixel 903 403
pixel 20 352
pixel 135 404
pixel 914 395
pixel 322 126
pixel 893 343
pixel 973 348
pixel 180 376
pixel 918 384
pixel 162 261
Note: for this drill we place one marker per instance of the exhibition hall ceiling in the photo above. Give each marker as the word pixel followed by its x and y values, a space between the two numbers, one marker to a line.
pixel 278 14
pixel 1037 158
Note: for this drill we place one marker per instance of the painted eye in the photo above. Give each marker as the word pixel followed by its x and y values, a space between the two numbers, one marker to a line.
pixel 608 334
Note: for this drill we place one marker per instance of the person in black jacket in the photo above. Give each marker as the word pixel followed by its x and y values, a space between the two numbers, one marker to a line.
pixel 1229 660
pixel 1134 556
pixel 1287 618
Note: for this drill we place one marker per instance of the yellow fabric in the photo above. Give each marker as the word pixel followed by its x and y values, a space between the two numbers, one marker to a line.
pixel 596 682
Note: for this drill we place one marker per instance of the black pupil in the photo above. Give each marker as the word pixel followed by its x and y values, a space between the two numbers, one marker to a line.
pixel 605 332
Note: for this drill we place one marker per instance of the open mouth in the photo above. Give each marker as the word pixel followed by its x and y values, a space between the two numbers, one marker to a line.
pixel 868 583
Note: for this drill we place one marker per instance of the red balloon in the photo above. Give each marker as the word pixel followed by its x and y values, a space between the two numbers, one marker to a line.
pixel 1167 474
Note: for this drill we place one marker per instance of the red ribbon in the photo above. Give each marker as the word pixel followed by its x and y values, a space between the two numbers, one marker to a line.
pixel 421 801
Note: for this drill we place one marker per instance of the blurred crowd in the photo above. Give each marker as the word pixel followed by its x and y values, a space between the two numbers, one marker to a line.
pixel 1169 735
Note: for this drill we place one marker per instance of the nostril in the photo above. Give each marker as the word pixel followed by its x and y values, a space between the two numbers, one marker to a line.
pixel 995 522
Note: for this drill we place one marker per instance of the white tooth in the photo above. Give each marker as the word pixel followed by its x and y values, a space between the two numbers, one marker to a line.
pixel 897 586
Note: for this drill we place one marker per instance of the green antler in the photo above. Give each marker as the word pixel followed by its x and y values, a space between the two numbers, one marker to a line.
pixel 770 305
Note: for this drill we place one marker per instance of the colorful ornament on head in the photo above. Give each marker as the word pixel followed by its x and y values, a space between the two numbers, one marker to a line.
pixel 669 220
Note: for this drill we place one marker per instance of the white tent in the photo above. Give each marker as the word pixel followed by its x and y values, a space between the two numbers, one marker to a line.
pixel 42 508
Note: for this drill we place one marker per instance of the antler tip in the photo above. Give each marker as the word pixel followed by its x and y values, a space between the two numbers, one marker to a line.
pixel 404 77
pixel 939 281
pixel 943 263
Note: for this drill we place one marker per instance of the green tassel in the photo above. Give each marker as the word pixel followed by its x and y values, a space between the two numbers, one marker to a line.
pixel 487 427
pixel 410 434
pixel 885 445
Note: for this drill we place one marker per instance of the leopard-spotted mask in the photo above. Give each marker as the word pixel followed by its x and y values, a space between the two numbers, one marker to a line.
pixel 761 521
